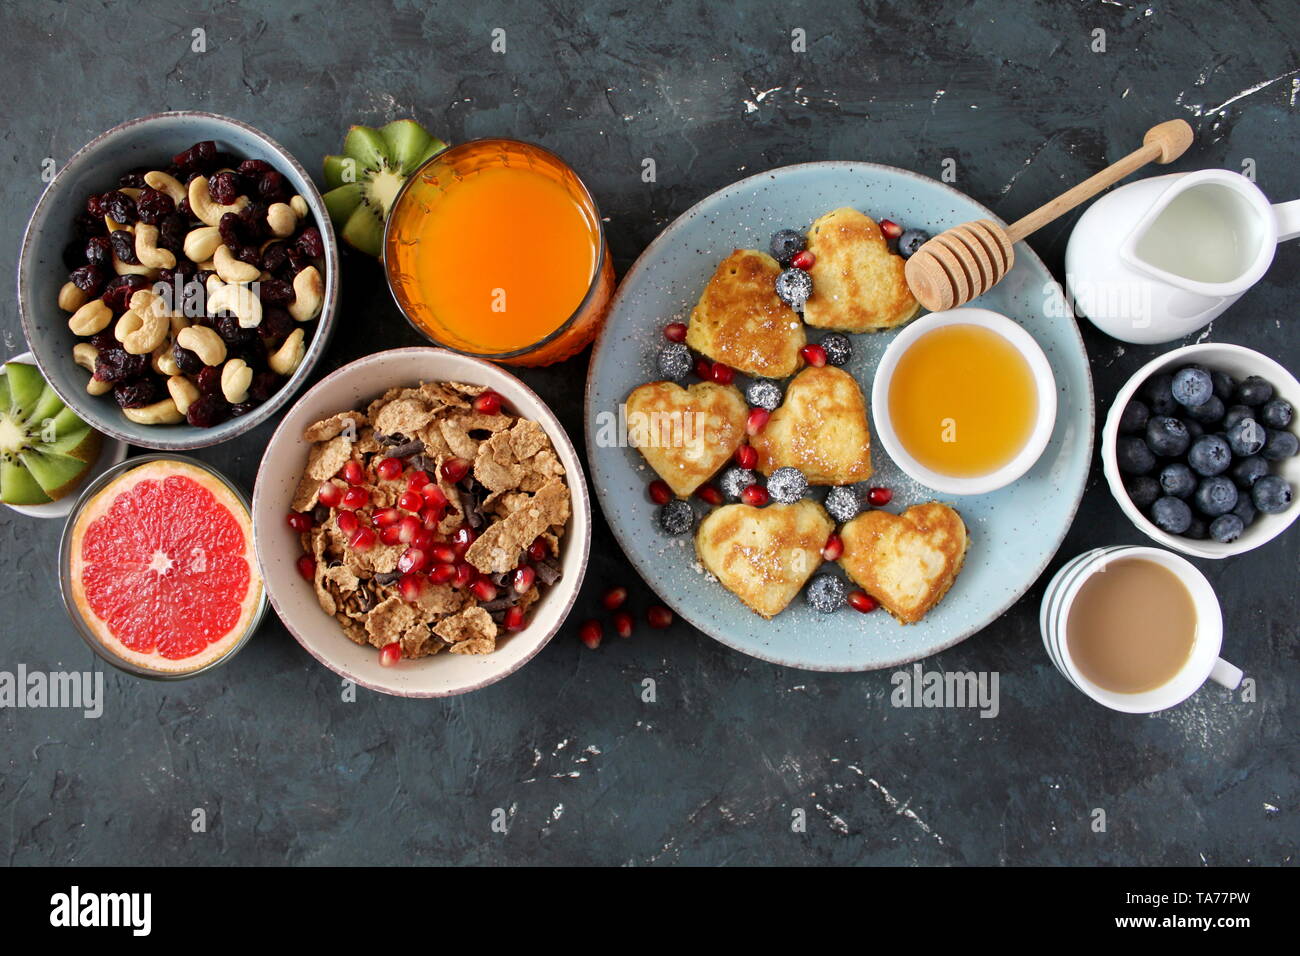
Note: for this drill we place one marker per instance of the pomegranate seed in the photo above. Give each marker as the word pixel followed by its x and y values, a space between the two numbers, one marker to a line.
pixel 465 574
pixel 862 601
pixel 514 619
pixel 709 494
pixel 833 548
pixel 703 369
pixel 432 517
pixel 757 420
pixel 411 586
pixel 442 573
pixel 803 260
pixel 390 535
pixel 524 579
pixel 591 633
pixel 444 553
pixel 675 331
pixel 454 469
pixel 329 494
pixel 613 598
pixel 814 355
pixel 658 617
pixel 538 550
pixel 423 540
pixel 890 228
pixel 307 567
pixel 355 498
pixel 363 539
pixel 353 473
pixel 412 559
pixel 410 501
pixel 623 624
pixel 407 529
pixel 746 456
pixel 879 496
pixel 484 590
pixel 660 493
pixel 347 521
pixel 462 538
pixel 299 522
pixel 755 495
pixel 487 403
pixel 417 480
pixel 390 654
pixel 385 517
pixel 389 469
pixel 434 496
pixel 722 374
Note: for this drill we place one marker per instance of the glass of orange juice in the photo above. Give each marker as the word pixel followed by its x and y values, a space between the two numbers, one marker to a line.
pixel 495 248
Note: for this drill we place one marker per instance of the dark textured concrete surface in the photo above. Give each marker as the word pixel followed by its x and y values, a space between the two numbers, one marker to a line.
pixel 715 770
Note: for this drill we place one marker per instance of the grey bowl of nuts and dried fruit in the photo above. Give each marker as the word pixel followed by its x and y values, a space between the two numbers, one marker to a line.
pixel 178 280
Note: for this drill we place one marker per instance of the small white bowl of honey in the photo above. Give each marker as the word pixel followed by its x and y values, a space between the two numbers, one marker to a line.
pixel 964 401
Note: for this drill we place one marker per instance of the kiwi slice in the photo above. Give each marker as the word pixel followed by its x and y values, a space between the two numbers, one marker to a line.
pixel 365 179
pixel 45 449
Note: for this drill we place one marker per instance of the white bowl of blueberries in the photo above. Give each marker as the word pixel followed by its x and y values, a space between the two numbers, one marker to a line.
pixel 1200 449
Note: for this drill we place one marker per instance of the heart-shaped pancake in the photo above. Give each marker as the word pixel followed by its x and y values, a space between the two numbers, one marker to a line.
pixel 686 434
pixel 906 562
pixel 764 555
pixel 821 429
pixel 858 283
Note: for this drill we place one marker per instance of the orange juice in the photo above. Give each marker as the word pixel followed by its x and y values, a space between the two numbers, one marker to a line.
pixel 495 248
pixel 962 400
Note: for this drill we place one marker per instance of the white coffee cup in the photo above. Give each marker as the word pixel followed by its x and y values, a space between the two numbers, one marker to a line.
pixel 1203 663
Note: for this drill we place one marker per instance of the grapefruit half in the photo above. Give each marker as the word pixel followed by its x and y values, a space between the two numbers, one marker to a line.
pixel 162 568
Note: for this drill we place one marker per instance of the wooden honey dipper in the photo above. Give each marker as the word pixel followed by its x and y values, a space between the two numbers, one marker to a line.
pixel 967 260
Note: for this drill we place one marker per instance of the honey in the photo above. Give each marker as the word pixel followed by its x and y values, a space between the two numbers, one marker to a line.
pixel 962 400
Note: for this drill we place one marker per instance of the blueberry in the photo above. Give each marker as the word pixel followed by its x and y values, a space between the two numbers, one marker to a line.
pixel 1271 495
pixel 1133 456
pixel 1208 413
pixel 1177 479
pixel 843 504
pixel 1142 490
pixel 1253 391
pixel 1209 455
pixel 1197 529
pixel 1276 413
pixel 735 480
pixel 793 286
pixel 786 243
pixel 1156 391
pixel 763 393
pixel 910 241
pixel 1245 510
pixel 1167 436
pixel 1246 437
pixel 1194 428
pixel 787 485
pixel 1226 528
pixel 1235 414
pixel 676 517
pixel 1192 386
pixel 1171 515
pixel 1134 417
pixel 1215 496
pixel 1224 384
pixel 838 348
pixel 1279 445
pixel 675 361
pixel 826 593
pixel 1246 471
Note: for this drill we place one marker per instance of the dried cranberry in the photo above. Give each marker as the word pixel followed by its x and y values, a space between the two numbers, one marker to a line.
pixel 118 365
pixel 188 362
pixel 265 384
pixel 89 279
pixel 225 187
pixel 154 206
pixel 249 254
pixel 254 218
pixel 208 380
pixel 86 226
pixel 231 332
pixel 124 247
pixel 274 256
pixel 298 260
pixel 136 392
pixel 118 292
pixel 253 168
pixel 104 339
pixel 120 207
pixel 273 187
pixel 197 156
pixel 274 292
pixel 310 243
pixel 208 409
pixel 133 179
pixel 95 207
pixel 233 230
pixel 183 207
pixel 243 408
pixel 171 232
pixel 276 323
pixel 99 252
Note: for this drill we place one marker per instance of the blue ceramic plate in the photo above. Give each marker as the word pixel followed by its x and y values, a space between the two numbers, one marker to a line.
pixel 1014 531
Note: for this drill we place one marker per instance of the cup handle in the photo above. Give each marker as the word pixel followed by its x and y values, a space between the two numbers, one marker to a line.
pixel 1226 674
pixel 1287 215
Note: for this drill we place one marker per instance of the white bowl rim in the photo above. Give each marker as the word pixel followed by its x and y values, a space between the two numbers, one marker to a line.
pixel 1215 550
pixel 324 322
pixel 576 479
pixel 1044 381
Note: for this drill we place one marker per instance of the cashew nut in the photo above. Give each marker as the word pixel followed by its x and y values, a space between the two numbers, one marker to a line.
pixel 213 282
pixel 85 354
pixel 299 206
pixel 205 207
pixel 140 269
pixel 163 361
pixel 239 299
pixel 141 333
pixel 132 191
pixel 147 250
pixel 281 219
pixel 165 183
pixel 159 413
pixel 201 243
pixel 286 359
pixel 231 269
pixel 71 298
pixel 236 376
pixel 92 317
pixel 308 294
pixel 183 392
pixel 203 342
